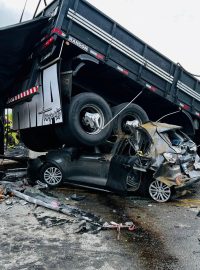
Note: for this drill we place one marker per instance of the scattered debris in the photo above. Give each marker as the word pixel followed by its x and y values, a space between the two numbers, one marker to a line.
pixel 9 207
pixel 76 197
pixel 22 202
pixel 196 252
pixel 12 175
pixel 27 194
pixel 41 185
pixel 9 202
pixel 113 225
pixel 19 151
pixel 20 185
pixel 50 221
pixel 82 227
pixel 182 226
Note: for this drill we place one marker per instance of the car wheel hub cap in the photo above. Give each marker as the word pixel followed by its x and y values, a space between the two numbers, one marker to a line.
pixel 159 191
pixel 52 176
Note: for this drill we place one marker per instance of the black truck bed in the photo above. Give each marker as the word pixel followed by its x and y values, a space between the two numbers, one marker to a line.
pixel 94 32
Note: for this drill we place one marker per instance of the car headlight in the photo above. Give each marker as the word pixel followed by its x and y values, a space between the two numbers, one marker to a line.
pixel 171 158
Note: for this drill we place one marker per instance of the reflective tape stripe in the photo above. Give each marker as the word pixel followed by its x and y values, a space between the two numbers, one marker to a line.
pixel 23 94
pixel 188 90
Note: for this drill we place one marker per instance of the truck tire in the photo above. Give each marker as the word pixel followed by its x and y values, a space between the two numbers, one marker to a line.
pixel 40 139
pixel 84 121
pixel 132 112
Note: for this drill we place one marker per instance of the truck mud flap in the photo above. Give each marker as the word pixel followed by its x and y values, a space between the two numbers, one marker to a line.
pixel 45 107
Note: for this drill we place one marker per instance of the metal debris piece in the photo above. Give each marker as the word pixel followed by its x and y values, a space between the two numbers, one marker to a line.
pixel 9 207
pixel 182 226
pixel 41 185
pixel 113 225
pixel 76 197
pixel 38 198
pixel 49 221
pixel 54 205
pixel 173 157
pixel 14 175
pixel 82 227
pixel 8 202
pixel 18 153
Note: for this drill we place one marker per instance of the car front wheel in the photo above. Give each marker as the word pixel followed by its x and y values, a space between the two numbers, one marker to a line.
pixel 51 175
pixel 159 191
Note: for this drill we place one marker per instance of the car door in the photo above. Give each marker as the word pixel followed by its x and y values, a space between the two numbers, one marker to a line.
pixel 89 169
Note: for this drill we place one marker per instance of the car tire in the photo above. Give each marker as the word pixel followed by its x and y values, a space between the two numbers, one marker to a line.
pixel 148 183
pixel 159 191
pixel 132 112
pixel 77 129
pixel 51 175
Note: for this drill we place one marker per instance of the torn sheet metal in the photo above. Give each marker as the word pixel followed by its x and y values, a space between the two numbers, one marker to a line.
pixel 173 155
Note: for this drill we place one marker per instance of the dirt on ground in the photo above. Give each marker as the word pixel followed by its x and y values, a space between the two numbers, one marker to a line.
pixel 167 236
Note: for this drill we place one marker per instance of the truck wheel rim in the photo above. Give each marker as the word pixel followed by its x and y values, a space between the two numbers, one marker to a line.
pixel 92 119
pixel 159 191
pixel 129 117
pixel 52 176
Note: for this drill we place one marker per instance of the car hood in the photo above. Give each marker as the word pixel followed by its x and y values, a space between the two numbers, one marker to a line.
pixel 160 142
pixel 153 127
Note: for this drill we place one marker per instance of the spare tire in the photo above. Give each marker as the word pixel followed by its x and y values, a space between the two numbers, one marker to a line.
pixel 132 112
pixel 84 121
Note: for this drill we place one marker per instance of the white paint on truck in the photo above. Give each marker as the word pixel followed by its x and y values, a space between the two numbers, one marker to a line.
pixel 45 106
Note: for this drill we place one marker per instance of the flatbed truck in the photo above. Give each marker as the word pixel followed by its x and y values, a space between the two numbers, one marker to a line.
pixel 77 77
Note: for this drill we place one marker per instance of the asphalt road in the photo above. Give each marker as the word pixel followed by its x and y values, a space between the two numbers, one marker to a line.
pixel 167 236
